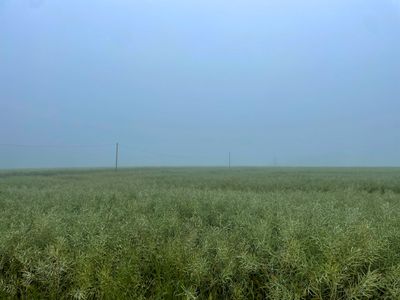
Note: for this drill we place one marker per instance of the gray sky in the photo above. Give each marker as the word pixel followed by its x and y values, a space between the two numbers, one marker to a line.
pixel 183 82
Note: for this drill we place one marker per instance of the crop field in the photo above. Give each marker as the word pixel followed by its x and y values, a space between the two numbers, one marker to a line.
pixel 200 233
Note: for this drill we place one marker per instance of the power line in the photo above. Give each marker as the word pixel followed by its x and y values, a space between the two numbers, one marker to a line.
pixel 132 149
pixel 53 146
pixel 159 154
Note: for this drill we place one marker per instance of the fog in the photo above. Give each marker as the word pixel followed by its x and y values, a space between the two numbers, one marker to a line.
pixel 178 82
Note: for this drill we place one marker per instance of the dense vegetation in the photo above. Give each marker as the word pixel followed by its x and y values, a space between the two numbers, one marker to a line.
pixel 203 233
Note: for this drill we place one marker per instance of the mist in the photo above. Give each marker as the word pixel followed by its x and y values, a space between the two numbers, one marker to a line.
pixel 183 83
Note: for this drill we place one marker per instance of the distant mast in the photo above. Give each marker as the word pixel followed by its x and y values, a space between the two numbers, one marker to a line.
pixel 116 156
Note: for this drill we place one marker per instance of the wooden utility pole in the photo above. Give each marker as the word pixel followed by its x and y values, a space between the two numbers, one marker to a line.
pixel 116 156
pixel 229 160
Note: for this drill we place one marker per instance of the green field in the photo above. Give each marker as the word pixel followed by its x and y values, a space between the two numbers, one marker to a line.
pixel 206 233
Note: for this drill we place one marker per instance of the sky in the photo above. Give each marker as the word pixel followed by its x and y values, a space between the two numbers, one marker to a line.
pixel 185 82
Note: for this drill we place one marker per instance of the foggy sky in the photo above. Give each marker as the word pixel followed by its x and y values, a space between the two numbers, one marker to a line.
pixel 183 82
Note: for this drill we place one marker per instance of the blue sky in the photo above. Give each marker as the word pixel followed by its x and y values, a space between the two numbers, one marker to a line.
pixel 184 82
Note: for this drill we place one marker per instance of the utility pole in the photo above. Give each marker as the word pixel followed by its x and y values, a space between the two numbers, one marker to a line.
pixel 229 160
pixel 116 156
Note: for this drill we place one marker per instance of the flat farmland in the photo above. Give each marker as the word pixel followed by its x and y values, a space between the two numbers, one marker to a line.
pixel 200 233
